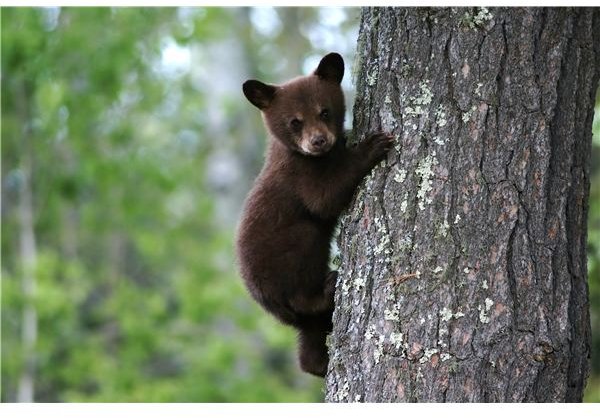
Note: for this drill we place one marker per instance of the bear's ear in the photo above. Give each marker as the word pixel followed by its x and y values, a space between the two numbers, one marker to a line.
pixel 331 67
pixel 258 93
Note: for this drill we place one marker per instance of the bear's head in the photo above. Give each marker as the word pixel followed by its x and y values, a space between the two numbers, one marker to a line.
pixel 307 113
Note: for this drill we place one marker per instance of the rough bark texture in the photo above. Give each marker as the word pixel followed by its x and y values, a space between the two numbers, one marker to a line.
pixel 463 273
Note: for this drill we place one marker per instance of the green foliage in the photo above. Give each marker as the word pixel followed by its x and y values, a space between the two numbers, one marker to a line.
pixel 592 391
pixel 137 296
pixel 593 388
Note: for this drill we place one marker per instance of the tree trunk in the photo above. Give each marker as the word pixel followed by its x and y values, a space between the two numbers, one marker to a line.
pixel 28 255
pixel 463 273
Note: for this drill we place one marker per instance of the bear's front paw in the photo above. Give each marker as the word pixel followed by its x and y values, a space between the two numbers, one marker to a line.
pixel 376 146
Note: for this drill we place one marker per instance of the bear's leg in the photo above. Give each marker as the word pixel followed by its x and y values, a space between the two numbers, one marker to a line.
pixel 313 351
pixel 330 281
pixel 319 301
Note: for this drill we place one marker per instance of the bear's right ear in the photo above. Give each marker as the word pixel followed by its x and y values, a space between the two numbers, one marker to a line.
pixel 331 67
pixel 259 94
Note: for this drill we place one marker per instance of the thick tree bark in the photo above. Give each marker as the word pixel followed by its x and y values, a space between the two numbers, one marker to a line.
pixel 463 273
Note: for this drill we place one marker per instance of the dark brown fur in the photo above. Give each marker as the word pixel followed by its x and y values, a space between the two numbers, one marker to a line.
pixel 308 178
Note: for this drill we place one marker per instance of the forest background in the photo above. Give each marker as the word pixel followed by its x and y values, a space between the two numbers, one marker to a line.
pixel 127 151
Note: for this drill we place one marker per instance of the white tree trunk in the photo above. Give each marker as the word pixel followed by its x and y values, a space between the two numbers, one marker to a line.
pixel 28 256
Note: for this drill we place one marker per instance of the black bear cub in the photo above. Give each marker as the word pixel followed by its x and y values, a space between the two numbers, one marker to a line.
pixel 289 216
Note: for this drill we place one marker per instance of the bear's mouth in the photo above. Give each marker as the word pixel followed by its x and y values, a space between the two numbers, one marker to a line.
pixel 316 152
pixel 316 148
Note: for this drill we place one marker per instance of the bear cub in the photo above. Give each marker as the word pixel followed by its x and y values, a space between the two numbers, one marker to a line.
pixel 289 216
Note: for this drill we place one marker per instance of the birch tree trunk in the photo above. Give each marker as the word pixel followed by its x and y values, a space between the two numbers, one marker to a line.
pixel 28 255
pixel 463 273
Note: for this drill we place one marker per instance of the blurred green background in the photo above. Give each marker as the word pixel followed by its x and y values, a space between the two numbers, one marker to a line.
pixel 127 139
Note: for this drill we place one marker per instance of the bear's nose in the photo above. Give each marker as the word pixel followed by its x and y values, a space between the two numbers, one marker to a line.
pixel 318 141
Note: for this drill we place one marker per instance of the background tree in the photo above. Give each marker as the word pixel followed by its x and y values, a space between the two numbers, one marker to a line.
pixel 463 271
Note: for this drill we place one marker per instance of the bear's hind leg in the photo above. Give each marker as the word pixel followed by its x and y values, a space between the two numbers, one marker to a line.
pixel 313 352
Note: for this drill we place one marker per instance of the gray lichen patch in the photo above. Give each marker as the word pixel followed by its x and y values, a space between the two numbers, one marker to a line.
pixel 442 332
pixel 405 242
pixel 440 116
pixel 418 104
pixel 478 89
pixel 345 284
pixel 379 339
pixel 396 339
pixel 392 314
pixel 477 20
pixel 466 116
pixel 482 16
pixel 484 311
pixel 404 203
pixel 343 392
pixel 427 354
pixel 425 171
pixel 378 352
pixel 400 175
pixel 359 282
pixel 370 332
pixel 383 247
pixel 439 140
pixel 443 228
pixel 372 75
pixel 388 121
pixel 446 314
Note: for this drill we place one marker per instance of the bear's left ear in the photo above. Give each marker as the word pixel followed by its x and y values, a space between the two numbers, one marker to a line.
pixel 258 93
pixel 331 67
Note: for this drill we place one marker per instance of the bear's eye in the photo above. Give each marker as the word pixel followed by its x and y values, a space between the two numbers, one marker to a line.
pixel 296 124
pixel 324 115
